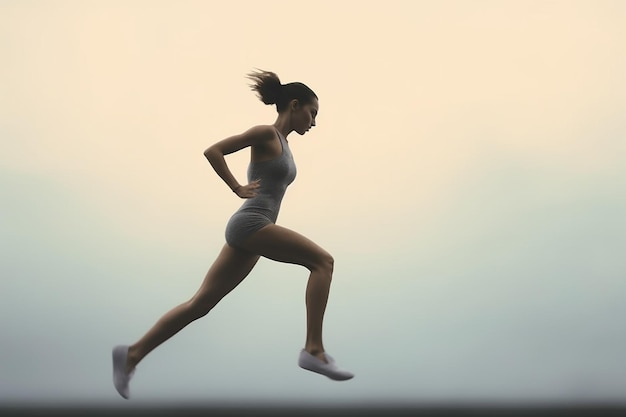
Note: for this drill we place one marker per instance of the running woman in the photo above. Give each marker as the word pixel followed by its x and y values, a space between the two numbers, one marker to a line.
pixel 252 232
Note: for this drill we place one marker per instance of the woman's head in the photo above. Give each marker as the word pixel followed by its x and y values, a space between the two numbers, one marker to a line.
pixel 294 97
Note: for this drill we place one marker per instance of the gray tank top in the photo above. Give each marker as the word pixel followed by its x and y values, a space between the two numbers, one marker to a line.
pixel 275 175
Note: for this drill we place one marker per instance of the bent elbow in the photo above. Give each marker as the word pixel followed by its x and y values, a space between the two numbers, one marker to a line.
pixel 208 151
pixel 211 153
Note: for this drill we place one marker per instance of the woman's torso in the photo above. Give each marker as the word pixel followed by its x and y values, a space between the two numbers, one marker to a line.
pixel 275 175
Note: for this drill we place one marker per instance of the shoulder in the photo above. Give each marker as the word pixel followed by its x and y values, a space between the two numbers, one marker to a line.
pixel 262 138
pixel 261 133
pixel 256 136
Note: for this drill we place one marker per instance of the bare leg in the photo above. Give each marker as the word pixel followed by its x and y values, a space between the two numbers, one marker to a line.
pixel 284 245
pixel 229 269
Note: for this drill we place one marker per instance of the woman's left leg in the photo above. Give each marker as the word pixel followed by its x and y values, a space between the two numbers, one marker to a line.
pixel 229 269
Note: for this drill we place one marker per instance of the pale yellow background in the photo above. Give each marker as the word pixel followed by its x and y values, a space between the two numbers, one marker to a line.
pixel 466 173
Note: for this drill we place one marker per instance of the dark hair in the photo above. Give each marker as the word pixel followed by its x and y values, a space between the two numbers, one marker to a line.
pixel 268 88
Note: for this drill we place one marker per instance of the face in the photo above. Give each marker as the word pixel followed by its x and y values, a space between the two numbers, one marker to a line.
pixel 303 115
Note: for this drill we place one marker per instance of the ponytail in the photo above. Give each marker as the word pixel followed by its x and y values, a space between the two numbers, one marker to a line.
pixel 267 86
pixel 269 90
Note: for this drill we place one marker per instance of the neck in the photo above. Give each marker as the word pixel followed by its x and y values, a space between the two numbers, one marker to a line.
pixel 283 124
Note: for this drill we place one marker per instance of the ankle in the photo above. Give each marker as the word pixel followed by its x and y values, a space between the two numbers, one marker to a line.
pixel 314 350
pixel 132 359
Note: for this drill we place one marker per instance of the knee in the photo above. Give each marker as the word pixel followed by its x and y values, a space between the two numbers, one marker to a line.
pixel 330 262
pixel 324 262
pixel 198 308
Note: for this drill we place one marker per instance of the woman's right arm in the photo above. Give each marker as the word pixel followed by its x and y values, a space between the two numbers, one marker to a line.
pixel 215 153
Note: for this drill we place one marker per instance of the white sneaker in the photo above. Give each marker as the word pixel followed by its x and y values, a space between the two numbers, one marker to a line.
pixel 121 379
pixel 330 369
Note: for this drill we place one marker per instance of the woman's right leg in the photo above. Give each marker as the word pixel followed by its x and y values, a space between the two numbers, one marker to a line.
pixel 229 269
pixel 284 245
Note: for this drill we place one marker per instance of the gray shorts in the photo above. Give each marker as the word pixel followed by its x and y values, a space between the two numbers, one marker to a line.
pixel 244 224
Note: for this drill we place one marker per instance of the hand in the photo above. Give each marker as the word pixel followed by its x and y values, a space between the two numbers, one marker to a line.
pixel 248 191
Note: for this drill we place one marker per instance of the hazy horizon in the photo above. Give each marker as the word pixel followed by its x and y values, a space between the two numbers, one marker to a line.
pixel 466 172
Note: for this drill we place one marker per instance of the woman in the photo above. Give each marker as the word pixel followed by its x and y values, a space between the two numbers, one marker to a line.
pixel 251 232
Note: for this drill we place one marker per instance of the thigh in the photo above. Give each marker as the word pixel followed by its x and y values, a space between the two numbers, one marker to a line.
pixel 231 267
pixel 284 245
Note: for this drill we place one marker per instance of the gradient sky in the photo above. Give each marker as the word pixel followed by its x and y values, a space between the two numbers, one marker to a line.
pixel 466 173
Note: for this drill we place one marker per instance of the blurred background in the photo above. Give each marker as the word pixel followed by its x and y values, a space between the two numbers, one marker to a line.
pixel 466 172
